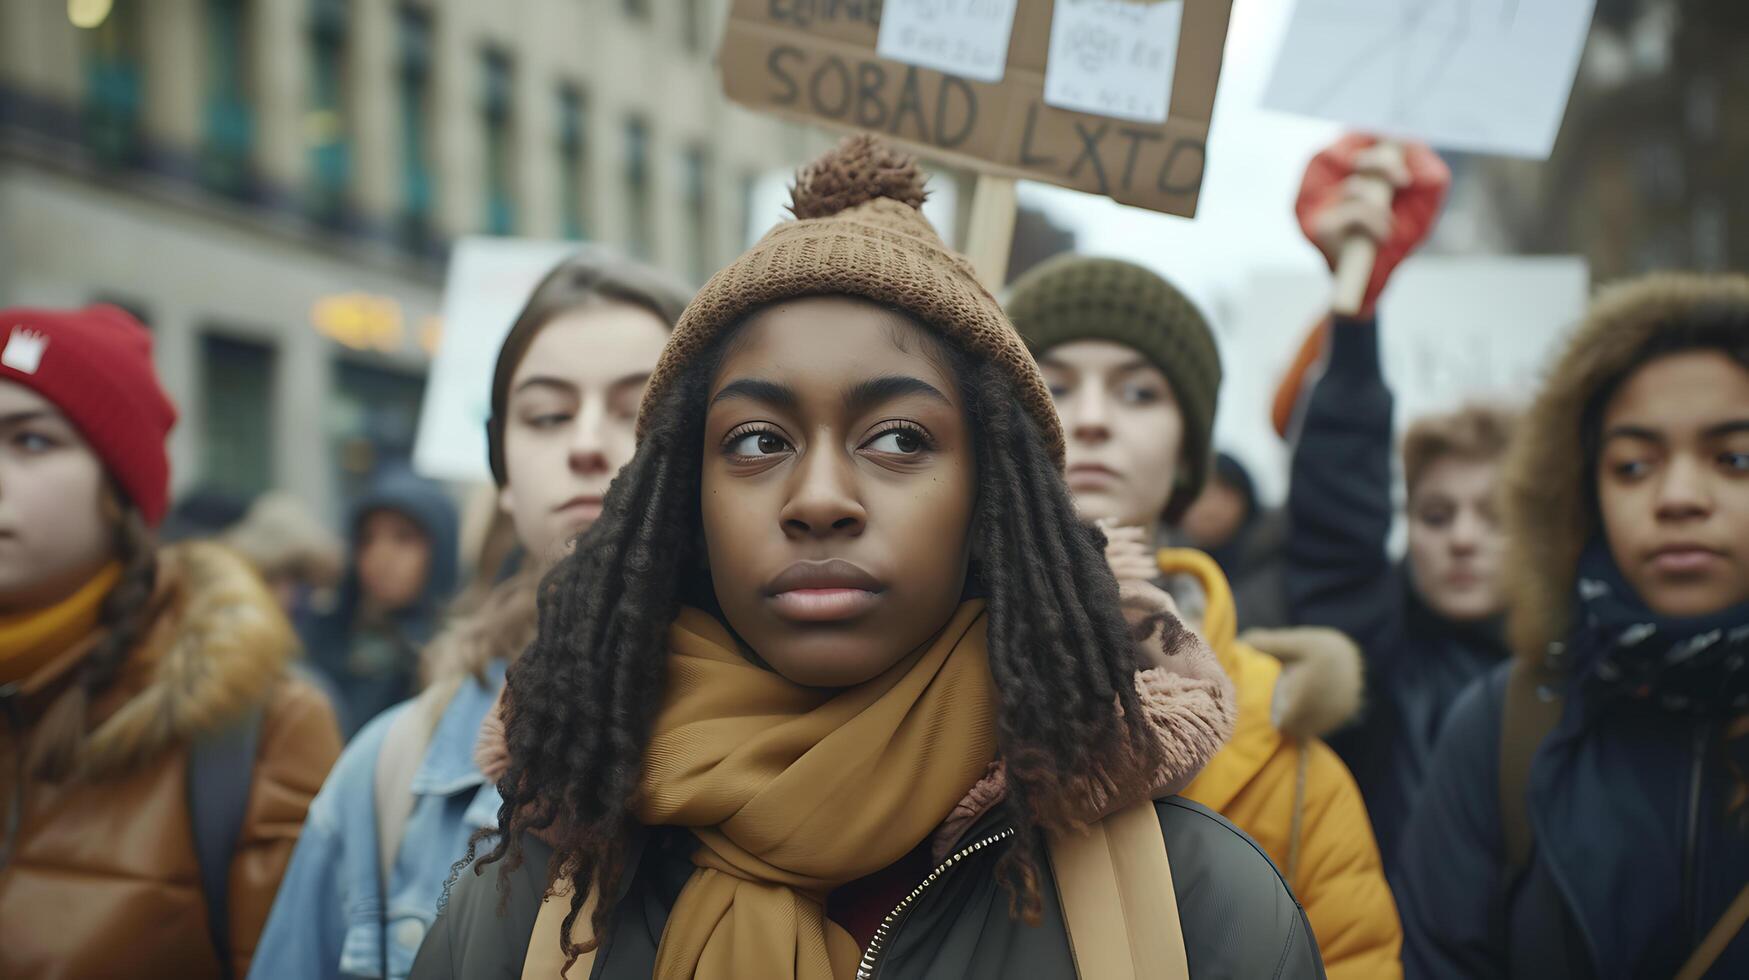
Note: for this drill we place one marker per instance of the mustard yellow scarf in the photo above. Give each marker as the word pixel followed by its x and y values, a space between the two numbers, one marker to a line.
pixel 30 640
pixel 793 791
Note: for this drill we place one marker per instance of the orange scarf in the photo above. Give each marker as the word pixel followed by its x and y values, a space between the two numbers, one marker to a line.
pixel 31 639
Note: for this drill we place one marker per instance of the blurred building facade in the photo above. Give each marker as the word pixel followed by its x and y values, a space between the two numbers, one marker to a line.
pixel 271 184
pixel 1648 170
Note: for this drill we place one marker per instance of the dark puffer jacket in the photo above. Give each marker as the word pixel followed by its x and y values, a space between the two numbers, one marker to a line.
pixel 1340 575
pixel 1238 917
pixel 1637 847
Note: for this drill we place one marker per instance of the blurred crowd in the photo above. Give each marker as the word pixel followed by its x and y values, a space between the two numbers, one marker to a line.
pixel 240 744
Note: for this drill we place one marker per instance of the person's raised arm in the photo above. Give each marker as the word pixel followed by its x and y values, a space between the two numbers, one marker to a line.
pixel 1339 497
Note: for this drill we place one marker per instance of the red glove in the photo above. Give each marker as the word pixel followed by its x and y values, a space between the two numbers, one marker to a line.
pixel 1329 212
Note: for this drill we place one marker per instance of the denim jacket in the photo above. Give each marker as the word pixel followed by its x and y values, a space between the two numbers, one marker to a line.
pixel 334 917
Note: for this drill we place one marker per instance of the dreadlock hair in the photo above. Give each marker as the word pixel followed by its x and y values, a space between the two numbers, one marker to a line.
pixel 125 616
pixel 583 698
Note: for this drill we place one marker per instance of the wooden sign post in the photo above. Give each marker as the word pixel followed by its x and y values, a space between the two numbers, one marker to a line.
pixel 990 232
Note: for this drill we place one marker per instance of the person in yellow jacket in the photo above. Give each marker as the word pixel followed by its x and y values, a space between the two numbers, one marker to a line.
pixel 1134 371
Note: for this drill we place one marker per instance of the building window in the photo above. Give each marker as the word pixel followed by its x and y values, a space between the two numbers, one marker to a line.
pixel 497 107
pixel 328 125
pixel 640 215
pixel 573 162
pixel 693 24
pixel 701 225
pixel 373 418
pixel 237 389
pixel 413 77
pixel 230 123
pixel 113 85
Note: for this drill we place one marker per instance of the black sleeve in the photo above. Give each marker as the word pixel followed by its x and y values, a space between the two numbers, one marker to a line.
pixel 1448 871
pixel 1238 916
pixel 471 939
pixel 1339 499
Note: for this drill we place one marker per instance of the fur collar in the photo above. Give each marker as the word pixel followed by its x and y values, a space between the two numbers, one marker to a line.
pixel 1548 512
pixel 217 644
pixel 1319 689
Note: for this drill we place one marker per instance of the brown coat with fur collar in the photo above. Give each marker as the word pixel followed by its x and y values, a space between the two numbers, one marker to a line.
pixel 104 880
pixel 1548 509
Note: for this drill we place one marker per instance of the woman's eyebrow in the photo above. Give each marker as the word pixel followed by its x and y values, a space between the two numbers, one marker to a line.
pixel 1639 432
pixel 754 389
pixel 1731 428
pixel 865 395
pixel 545 381
pixel 32 415
pixel 633 379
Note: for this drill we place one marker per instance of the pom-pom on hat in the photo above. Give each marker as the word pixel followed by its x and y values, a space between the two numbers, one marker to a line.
pixel 95 366
pixel 859 232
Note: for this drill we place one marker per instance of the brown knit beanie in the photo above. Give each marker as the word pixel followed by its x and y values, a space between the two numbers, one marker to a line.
pixel 858 232
pixel 1075 297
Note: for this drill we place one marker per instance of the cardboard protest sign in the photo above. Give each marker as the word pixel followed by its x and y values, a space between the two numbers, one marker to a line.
pixel 489 281
pixel 817 61
pixel 1483 76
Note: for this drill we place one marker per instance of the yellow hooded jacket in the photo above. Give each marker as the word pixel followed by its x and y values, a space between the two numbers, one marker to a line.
pixel 1284 787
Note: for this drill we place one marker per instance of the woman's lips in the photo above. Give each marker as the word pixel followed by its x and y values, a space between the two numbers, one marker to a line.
pixel 823 605
pixel 587 508
pixel 1091 476
pixel 1685 560
pixel 823 591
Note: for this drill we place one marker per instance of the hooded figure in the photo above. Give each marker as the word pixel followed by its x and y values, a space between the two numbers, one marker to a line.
pixel 1585 814
pixel 403 571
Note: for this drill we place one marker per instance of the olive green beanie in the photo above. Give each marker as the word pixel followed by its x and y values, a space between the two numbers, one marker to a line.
pixel 1075 297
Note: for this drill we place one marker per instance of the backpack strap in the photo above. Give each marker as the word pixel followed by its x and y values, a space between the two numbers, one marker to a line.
pixel 1533 707
pixel 398 761
pixel 1119 906
pixel 221 770
pixel 1717 938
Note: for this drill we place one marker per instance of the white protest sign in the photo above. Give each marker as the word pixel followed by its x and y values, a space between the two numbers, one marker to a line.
pixel 489 281
pixel 1114 57
pixel 1452 330
pixel 968 38
pixel 1483 76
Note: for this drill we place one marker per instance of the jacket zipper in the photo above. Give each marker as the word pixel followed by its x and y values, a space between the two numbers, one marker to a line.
pixel 870 966
pixel 1691 841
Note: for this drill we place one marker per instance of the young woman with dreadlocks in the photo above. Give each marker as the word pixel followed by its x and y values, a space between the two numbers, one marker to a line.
pixel 838 686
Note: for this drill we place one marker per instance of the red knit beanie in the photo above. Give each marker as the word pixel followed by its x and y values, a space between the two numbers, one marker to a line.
pixel 95 365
